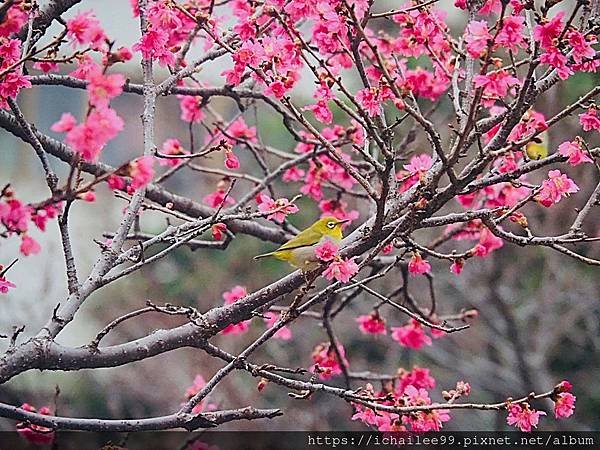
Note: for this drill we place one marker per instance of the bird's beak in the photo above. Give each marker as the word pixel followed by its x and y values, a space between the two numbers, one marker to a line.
pixel 343 221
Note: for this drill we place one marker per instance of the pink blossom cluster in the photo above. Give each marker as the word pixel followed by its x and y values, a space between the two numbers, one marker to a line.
pixel 411 390
pixel 340 269
pixel 16 217
pixel 236 294
pixel 36 434
pixel 413 335
pixel 326 363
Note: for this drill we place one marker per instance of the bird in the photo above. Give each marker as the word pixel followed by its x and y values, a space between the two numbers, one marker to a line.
pixel 299 251
pixel 537 148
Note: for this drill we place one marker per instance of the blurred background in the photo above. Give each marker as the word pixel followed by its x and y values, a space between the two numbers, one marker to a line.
pixel 539 320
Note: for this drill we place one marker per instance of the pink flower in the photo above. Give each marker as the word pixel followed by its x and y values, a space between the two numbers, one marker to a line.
pixel 326 362
pixel 12 83
pixel 341 269
pixel 327 251
pixel 548 31
pixel 511 34
pixel 236 293
pixel 14 215
pixel 116 183
pixel 284 333
pixel 141 171
pixel 239 130
pixel 5 285
pixel 218 230
pixel 85 29
pixel 276 89
pixel 279 208
pixel 102 88
pixel 477 37
pixel 293 174
pixel 457 266
pixel 411 335
pixel 553 57
pixel 191 108
pixel 414 171
pixel 172 147
pixel 87 196
pixel 589 120
pixel 574 152
pixel 36 434
pixel 495 84
pixel 368 98
pixel 321 111
pixel 371 324
pixel 231 161
pixel 230 297
pixel 197 385
pixel 564 405
pixel 10 51
pixel 417 377
pixel 417 265
pixel 29 246
pixel 488 242
pixel 154 44
pixel 423 421
pixel 522 417
pixel 46 66
pixel 90 137
pixel 65 124
pixel 557 186
pixel 217 198
pixel 582 48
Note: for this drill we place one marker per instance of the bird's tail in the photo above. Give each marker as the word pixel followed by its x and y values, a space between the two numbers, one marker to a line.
pixel 264 255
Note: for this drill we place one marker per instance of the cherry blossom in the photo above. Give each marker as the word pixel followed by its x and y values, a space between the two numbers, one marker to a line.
pixel 36 434
pixel 590 120
pixel 29 246
pixel 102 88
pixel 65 124
pixel 549 30
pixel 236 293
pixel 218 231
pixel 278 209
pixel 218 198
pixel 284 333
pixel 141 171
pixel 172 146
pixel 371 324
pixel 574 152
pixel 85 29
pixel 411 335
pixel 326 363
pixel 523 417
pixel 477 37
pixel 5 285
pixel 555 188
pixel 326 251
pixel 564 405
pixel 418 377
pixel 417 265
pixel 191 108
pixel 341 269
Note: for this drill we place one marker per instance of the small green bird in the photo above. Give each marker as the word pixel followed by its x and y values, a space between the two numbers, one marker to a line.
pixel 300 250
pixel 537 148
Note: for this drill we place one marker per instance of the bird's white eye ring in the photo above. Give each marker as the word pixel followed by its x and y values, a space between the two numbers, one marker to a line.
pixel 331 225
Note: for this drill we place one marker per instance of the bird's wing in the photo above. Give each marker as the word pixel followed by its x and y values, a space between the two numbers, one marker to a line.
pixel 306 238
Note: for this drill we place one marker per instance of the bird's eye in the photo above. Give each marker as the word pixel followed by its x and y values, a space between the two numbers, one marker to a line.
pixel 331 225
